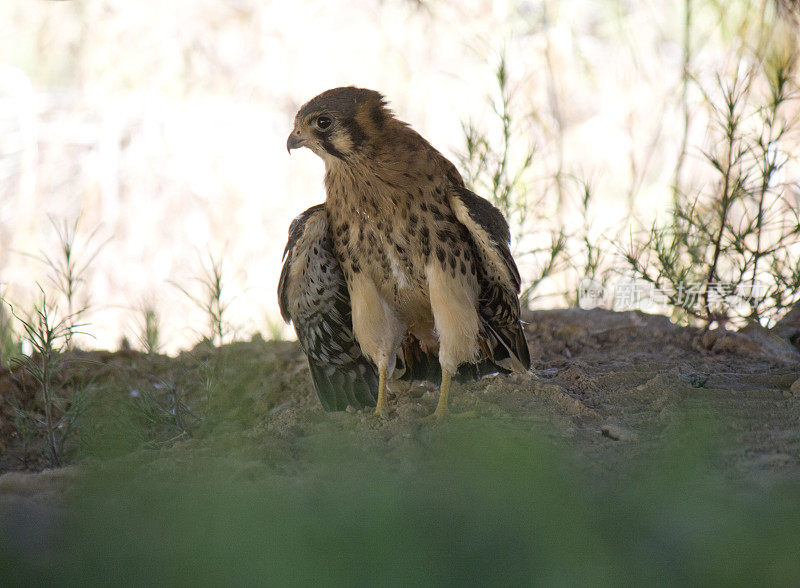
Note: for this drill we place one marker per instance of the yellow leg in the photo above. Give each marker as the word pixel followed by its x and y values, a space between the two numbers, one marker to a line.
pixel 380 409
pixel 441 407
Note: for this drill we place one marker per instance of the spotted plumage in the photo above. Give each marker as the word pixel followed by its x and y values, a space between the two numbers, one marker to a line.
pixel 313 295
pixel 424 265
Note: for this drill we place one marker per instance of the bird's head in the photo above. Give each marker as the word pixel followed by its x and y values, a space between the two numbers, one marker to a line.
pixel 338 124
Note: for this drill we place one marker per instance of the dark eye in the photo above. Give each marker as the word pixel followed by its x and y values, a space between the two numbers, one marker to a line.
pixel 323 122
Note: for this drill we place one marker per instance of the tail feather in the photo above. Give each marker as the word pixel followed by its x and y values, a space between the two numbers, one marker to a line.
pixel 415 364
pixel 339 388
pixel 509 347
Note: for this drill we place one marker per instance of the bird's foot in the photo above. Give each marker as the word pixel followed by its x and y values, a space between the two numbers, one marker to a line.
pixel 381 412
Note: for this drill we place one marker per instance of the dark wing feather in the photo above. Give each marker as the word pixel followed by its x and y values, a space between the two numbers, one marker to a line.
pixel 498 276
pixel 313 295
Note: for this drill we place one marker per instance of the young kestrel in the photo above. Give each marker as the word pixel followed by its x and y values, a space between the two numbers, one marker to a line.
pixel 400 266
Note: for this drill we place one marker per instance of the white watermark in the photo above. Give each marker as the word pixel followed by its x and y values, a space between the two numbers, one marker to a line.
pixel 638 294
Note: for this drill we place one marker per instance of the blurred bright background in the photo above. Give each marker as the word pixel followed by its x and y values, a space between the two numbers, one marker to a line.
pixel 161 126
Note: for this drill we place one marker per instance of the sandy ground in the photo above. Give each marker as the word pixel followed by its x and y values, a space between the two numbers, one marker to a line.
pixel 610 385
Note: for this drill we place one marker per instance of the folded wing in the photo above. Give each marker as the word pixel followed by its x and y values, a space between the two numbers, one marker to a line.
pixel 312 294
pixel 499 280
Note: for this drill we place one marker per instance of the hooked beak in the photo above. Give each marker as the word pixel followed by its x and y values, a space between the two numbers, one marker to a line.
pixel 295 140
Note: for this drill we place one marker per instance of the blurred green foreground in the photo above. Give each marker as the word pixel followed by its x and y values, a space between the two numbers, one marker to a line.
pixel 474 502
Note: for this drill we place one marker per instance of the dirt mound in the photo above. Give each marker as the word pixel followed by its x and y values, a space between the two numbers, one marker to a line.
pixel 600 379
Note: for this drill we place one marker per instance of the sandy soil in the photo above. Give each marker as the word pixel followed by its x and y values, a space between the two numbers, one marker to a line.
pixel 611 385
